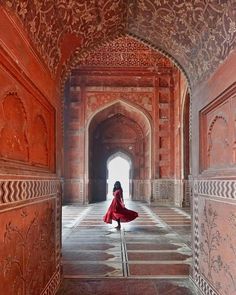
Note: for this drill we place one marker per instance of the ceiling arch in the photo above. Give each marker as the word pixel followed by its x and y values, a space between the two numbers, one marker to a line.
pixel 197 35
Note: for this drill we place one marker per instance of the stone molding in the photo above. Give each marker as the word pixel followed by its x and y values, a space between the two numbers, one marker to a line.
pixel 15 190
pixel 216 188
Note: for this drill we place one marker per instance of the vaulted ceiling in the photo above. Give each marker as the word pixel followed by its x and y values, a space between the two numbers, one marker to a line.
pixel 196 34
pixel 125 51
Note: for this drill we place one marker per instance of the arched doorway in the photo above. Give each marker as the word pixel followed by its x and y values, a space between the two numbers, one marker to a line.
pixel 119 167
pixel 119 126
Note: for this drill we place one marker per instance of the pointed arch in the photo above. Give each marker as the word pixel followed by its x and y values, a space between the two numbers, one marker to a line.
pixel 130 111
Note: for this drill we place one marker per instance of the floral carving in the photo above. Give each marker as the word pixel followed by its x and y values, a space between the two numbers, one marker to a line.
pixel 217 247
pixel 228 267
pixel 48 21
pixel 28 244
pixel 211 242
pixel 197 34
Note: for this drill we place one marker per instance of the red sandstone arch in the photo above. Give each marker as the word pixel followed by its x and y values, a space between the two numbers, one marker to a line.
pixel 103 139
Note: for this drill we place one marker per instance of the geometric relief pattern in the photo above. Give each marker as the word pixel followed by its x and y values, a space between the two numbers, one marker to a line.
pixel 53 285
pixel 217 188
pixel 204 286
pixel 19 190
pixel 163 191
pixel 196 234
pixel 125 51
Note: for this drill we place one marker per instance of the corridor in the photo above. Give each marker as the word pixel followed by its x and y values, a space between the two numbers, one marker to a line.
pixel 150 255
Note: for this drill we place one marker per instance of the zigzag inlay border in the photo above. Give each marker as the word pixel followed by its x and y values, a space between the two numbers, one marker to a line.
pixel 53 285
pixel 204 286
pixel 196 234
pixel 216 188
pixel 21 190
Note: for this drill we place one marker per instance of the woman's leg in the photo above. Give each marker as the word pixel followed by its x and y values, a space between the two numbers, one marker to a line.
pixel 118 226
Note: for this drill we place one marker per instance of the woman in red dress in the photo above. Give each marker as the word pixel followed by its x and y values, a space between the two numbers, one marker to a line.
pixel 117 210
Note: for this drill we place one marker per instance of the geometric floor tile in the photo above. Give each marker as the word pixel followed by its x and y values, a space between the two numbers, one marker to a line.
pixel 150 255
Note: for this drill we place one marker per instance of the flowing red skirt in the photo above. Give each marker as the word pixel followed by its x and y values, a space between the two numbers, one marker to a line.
pixel 118 211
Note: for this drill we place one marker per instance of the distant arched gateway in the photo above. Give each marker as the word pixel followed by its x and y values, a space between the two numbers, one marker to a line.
pixel 118 126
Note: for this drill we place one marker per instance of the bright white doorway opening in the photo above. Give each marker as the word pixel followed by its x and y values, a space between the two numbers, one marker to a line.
pixel 118 169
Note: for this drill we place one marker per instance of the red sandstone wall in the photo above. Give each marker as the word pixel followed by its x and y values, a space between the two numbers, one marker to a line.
pixel 214 170
pixel 29 186
pixel 91 91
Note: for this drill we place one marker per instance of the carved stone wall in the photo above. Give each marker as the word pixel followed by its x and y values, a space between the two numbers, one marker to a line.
pixel 96 99
pixel 113 86
pixel 214 185
pixel 30 235
pixel 163 191
pixel 198 35
pixel 219 140
pixel 214 237
pixel 25 128
pixel 142 190
pixel 29 205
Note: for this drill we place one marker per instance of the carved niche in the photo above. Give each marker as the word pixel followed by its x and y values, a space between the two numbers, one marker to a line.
pixel 218 142
pixel 14 143
pixel 39 147
pixel 217 121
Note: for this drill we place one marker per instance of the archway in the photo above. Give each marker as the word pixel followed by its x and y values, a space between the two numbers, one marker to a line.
pixel 119 126
pixel 119 167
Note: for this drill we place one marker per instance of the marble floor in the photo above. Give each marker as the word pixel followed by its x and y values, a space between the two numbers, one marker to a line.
pixel 150 255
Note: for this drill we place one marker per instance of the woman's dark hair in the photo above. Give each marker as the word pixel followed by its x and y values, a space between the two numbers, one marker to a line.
pixel 117 186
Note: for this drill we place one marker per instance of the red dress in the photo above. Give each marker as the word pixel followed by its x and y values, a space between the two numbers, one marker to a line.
pixel 118 211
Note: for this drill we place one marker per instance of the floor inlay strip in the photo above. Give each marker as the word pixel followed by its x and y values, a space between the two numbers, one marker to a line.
pixel 148 250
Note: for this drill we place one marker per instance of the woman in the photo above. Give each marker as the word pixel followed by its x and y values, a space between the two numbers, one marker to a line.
pixel 117 210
